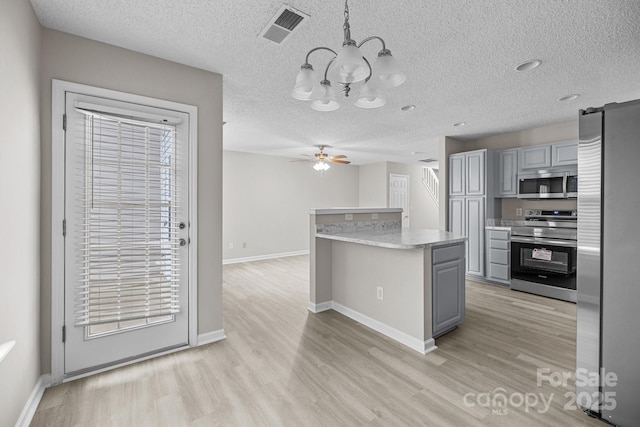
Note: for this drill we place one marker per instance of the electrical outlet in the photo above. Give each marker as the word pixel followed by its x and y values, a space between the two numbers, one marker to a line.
pixel 518 211
pixel 244 245
pixel 230 245
pixel 380 293
pixel 348 217
pixel 374 216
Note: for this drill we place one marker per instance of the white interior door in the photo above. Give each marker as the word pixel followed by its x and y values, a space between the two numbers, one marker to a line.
pixel 399 196
pixel 127 231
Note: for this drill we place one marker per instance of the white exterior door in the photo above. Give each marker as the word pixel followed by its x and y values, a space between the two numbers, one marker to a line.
pixel 127 231
pixel 399 196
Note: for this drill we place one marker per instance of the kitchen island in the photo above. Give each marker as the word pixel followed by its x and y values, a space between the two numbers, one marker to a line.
pixel 407 284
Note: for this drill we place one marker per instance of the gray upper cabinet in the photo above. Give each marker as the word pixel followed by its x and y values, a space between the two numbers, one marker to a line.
pixel 457 186
pixel 508 173
pixel 534 158
pixel 564 153
pixel 475 179
pixel 467 174
pixel 549 155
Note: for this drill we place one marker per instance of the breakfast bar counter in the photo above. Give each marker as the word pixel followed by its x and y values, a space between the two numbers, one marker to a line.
pixel 396 238
pixel 407 284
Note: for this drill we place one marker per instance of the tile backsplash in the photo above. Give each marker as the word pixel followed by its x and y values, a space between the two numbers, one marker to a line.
pixel 510 206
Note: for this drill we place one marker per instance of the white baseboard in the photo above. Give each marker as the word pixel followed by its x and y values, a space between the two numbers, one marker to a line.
pixel 416 344
pixel 317 308
pixel 209 337
pixel 263 257
pixel 32 403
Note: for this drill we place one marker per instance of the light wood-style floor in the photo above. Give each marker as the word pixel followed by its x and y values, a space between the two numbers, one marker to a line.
pixel 282 365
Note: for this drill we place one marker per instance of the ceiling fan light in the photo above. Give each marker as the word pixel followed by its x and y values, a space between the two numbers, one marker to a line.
pixel 305 81
pixel 325 98
pixel 349 66
pixel 369 97
pixel 386 72
pixel 321 166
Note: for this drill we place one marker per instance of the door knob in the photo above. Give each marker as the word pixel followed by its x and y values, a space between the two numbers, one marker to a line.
pixel 183 242
pixel 182 225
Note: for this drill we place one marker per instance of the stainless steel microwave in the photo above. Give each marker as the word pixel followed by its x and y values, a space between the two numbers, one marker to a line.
pixel 550 184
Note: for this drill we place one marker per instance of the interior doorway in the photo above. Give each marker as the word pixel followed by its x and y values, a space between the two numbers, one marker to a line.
pixel 399 196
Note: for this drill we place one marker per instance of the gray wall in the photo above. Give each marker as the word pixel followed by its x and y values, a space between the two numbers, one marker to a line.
pixel 266 202
pixel 357 270
pixel 71 58
pixel 20 206
pixel 374 191
pixel 524 138
pixel 374 185
pixel 424 211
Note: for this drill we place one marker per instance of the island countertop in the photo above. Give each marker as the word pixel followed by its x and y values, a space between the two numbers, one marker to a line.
pixel 396 238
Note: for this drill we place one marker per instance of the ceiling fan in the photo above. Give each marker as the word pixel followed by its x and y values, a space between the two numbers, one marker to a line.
pixel 323 158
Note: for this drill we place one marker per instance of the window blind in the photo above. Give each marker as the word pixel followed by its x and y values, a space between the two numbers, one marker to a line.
pixel 128 241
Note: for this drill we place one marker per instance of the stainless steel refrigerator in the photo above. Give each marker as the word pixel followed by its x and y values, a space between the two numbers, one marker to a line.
pixel 608 269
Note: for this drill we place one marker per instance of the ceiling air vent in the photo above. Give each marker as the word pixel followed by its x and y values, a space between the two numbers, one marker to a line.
pixel 429 160
pixel 282 24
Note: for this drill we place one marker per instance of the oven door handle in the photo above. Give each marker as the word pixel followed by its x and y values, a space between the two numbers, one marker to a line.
pixel 543 241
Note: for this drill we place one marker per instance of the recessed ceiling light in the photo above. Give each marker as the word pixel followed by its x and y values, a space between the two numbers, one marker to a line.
pixel 408 107
pixel 569 97
pixel 529 65
pixel 460 124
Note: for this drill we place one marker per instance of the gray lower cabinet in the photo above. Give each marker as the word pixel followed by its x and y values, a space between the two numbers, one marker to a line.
pixel 499 256
pixel 448 287
pixel 475 222
pixel 467 218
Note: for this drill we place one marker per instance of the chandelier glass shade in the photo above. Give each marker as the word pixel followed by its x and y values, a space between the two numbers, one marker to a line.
pixel 386 73
pixel 324 98
pixel 345 68
pixel 350 66
pixel 369 97
pixel 305 82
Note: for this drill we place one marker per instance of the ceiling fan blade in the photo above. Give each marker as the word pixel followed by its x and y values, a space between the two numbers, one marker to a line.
pixel 309 155
pixel 339 156
pixel 343 162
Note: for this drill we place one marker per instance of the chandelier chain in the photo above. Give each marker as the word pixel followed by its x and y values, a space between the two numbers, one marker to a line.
pixel 346 26
pixel 346 12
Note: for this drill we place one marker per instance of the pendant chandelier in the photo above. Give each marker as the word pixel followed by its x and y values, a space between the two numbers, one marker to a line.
pixel 345 68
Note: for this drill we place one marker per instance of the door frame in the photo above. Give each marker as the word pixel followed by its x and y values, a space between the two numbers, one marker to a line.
pixel 58 91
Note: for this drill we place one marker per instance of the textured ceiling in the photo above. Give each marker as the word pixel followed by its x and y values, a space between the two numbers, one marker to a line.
pixel 459 57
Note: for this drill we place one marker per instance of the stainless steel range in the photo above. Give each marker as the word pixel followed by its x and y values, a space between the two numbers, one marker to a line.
pixel 544 254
